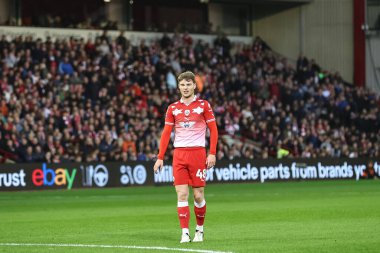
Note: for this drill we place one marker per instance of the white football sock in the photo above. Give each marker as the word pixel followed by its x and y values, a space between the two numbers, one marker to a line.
pixel 185 231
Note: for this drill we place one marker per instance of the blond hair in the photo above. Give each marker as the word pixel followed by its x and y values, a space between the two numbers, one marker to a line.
pixel 187 75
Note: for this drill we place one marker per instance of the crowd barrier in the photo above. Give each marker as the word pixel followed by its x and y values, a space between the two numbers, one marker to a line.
pixel 39 176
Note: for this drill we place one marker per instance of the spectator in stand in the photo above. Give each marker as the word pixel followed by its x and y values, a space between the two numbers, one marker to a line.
pixel 65 67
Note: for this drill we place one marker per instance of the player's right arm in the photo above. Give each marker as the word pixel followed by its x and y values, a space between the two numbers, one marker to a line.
pixel 165 138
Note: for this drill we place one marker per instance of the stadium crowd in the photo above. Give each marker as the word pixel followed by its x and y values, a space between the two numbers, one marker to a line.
pixel 105 100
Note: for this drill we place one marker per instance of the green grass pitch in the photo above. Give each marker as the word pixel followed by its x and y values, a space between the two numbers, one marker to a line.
pixel 328 216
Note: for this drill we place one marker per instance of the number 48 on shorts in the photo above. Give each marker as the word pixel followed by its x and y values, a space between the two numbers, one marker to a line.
pixel 201 174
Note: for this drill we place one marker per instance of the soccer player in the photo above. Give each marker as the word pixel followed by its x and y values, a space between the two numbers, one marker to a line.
pixel 190 116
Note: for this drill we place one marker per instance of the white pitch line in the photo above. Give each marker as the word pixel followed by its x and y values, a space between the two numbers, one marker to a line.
pixel 111 246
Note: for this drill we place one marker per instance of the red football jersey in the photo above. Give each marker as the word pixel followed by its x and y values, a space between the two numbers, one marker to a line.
pixel 190 122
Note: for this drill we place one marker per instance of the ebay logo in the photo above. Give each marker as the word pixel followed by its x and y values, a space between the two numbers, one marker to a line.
pixel 51 177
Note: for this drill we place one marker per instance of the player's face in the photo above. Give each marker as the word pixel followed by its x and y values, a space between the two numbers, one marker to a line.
pixel 187 88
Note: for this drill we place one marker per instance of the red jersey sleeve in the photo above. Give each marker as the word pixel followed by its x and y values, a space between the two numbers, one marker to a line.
pixel 165 138
pixel 213 136
pixel 208 113
pixel 169 118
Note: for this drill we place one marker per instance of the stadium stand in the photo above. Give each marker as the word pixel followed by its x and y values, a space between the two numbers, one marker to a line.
pixel 104 100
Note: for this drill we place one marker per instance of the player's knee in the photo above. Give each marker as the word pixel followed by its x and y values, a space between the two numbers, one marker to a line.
pixel 198 196
pixel 182 196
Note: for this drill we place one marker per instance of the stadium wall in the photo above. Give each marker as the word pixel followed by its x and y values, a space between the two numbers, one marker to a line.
pixel 322 30
pixel 5 6
pixel 281 32
pixel 115 11
pixel 229 18
pixel 40 176
pixel 373 62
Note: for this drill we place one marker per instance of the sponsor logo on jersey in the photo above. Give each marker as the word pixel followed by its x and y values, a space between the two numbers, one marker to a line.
pixel 188 124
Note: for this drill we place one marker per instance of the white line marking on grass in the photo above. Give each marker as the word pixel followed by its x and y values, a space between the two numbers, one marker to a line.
pixel 111 246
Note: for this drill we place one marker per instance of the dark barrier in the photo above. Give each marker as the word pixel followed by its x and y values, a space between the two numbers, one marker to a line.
pixel 76 175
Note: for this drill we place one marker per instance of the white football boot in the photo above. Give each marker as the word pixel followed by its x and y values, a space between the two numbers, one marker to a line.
pixel 198 237
pixel 185 238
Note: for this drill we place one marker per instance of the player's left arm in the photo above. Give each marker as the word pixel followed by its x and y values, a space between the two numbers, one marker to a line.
pixel 211 158
pixel 211 124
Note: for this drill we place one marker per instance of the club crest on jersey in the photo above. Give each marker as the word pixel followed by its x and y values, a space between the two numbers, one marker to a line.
pixel 187 112
pixel 188 124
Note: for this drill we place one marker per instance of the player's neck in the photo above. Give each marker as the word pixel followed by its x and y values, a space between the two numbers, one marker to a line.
pixel 188 100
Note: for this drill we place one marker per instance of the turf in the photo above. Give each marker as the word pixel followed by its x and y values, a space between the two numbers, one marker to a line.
pixel 329 216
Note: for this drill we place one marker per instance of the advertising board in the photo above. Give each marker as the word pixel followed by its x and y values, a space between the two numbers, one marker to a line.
pixel 100 175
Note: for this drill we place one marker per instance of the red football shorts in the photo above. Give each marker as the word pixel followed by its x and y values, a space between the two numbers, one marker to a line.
pixel 189 166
